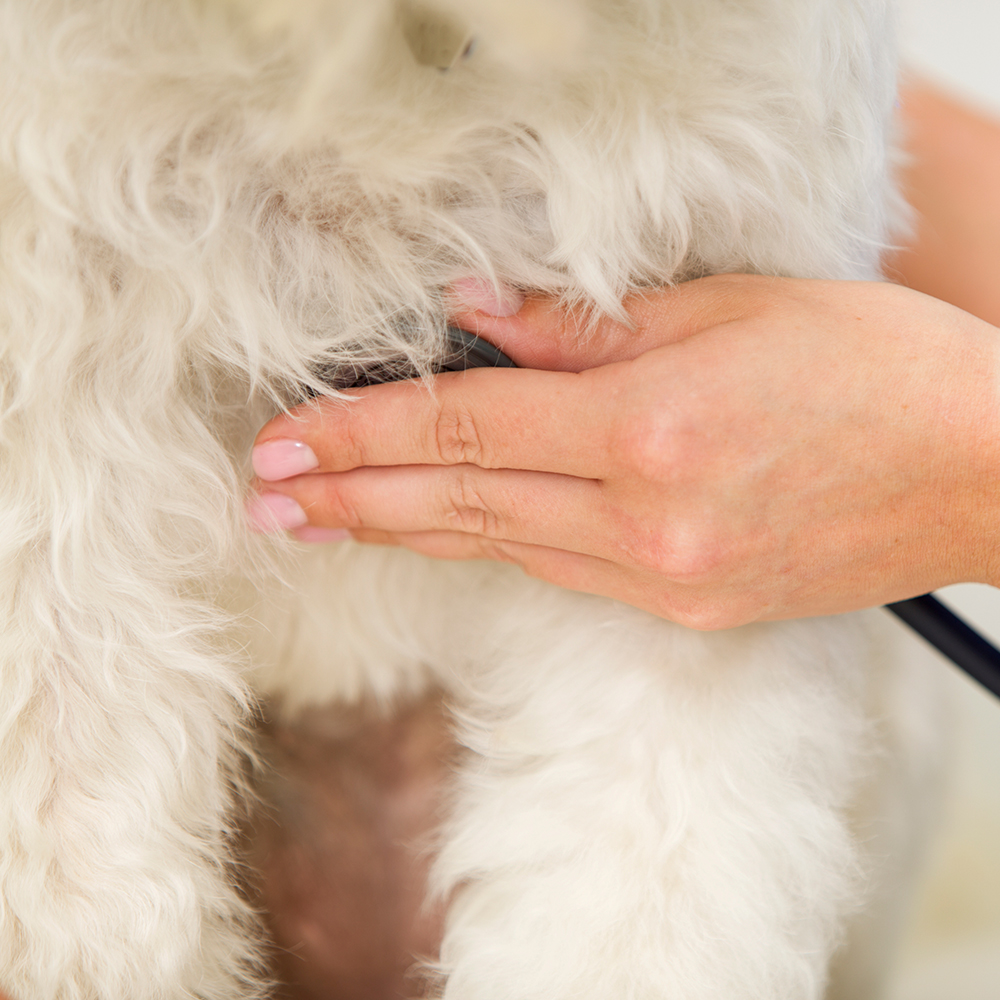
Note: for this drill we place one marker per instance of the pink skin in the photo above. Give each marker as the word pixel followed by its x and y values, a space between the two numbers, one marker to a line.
pixel 339 849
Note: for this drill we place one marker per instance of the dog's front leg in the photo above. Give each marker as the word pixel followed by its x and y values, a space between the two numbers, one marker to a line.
pixel 120 717
pixel 119 741
pixel 660 822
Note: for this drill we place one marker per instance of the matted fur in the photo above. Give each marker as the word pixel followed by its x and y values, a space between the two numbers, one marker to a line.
pixel 203 203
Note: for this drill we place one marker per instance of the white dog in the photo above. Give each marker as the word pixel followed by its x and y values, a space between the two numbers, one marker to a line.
pixel 206 204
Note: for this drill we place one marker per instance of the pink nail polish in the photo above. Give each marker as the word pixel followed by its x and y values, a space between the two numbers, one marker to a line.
pixel 320 535
pixel 475 293
pixel 274 512
pixel 283 458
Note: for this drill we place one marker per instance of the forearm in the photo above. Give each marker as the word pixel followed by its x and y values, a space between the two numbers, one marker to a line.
pixel 952 179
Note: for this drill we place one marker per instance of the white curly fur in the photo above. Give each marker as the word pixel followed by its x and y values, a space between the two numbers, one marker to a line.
pixel 205 202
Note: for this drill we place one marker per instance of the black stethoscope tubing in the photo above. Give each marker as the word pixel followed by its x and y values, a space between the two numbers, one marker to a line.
pixel 950 635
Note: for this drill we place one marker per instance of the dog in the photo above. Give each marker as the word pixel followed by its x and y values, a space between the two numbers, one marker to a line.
pixel 209 206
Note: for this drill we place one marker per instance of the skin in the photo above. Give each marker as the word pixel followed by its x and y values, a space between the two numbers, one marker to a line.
pixel 951 180
pixel 341 853
pixel 746 449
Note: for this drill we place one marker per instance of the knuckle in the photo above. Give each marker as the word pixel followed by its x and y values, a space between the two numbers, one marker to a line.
pixel 350 448
pixel 456 436
pixel 702 611
pixel 468 510
pixel 695 557
pixel 646 448
pixel 706 616
pixel 340 510
pixel 681 553
pixel 499 551
pixel 644 547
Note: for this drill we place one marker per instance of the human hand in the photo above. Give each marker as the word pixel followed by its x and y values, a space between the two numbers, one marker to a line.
pixel 755 448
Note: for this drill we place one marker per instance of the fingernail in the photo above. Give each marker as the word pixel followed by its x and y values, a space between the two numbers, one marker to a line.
pixel 311 534
pixel 282 458
pixel 274 512
pixel 475 293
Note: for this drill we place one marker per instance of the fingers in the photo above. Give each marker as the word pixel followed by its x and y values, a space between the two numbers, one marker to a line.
pixel 584 573
pixel 542 334
pixel 565 569
pixel 529 419
pixel 530 507
pixel 511 419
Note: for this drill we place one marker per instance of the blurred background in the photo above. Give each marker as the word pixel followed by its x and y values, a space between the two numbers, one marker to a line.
pixel 952 949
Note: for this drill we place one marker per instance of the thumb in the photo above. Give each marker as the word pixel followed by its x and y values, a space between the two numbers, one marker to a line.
pixel 539 332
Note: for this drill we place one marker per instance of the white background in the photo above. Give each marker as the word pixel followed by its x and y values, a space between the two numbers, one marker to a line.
pixel 959 41
pixel 953 947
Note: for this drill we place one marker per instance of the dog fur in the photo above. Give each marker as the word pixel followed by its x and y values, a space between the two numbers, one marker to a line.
pixel 204 204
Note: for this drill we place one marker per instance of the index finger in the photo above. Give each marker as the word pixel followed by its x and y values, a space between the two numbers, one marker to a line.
pixel 512 418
